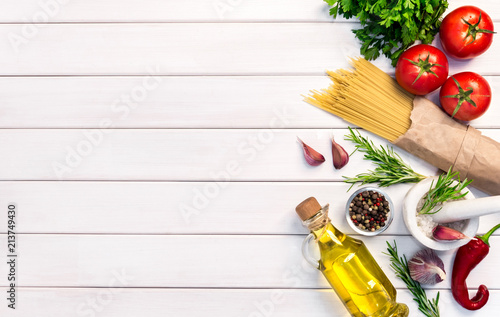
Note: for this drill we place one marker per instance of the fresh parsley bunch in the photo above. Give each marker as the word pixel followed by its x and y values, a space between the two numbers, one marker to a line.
pixel 391 26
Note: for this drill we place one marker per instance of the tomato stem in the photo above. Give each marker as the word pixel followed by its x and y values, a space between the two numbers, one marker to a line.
pixel 424 65
pixel 463 95
pixel 474 29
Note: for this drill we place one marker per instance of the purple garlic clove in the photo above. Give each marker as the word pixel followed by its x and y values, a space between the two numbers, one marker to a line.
pixel 441 233
pixel 340 156
pixel 313 157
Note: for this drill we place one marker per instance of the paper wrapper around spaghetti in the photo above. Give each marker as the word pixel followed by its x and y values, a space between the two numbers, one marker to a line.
pixel 440 140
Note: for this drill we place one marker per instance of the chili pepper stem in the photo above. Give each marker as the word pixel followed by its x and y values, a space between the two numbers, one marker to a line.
pixel 485 237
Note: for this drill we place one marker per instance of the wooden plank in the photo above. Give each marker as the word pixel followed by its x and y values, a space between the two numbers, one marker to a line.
pixel 115 302
pixel 193 261
pixel 172 102
pixel 54 11
pixel 169 11
pixel 196 155
pixel 174 208
pixel 180 208
pixel 176 49
pixel 175 102
pixel 192 49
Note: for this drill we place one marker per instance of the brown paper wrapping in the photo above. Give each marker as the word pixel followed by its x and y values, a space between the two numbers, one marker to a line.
pixel 440 140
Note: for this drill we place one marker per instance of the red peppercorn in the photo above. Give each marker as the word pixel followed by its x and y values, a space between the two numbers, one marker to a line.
pixel 371 219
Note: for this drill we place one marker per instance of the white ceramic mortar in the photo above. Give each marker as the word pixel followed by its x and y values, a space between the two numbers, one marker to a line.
pixel 409 214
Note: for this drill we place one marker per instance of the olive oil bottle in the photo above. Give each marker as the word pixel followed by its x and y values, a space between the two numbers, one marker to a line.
pixel 348 266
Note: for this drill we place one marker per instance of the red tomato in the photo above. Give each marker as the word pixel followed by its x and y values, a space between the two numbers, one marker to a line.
pixel 465 96
pixel 422 69
pixel 466 32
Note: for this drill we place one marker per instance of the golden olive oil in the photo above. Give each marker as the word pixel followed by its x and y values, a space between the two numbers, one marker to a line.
pixel 355 276
pixel 351 270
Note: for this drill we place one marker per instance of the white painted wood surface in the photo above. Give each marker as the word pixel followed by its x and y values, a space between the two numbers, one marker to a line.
pixel 157 302
pixel 182 11
pixel 193 49
pixel 272 154
pixel 177 102
pixel 173 125
pixel 180 207
pixel 193 261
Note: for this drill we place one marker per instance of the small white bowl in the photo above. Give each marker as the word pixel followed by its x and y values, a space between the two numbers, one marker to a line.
pixel 411 201
pixel 389 219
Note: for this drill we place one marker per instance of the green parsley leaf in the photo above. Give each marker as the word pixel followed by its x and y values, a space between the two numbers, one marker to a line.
pixel 395 25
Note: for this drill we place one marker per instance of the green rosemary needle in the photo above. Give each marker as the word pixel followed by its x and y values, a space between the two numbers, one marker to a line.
pixel 400 266
pixel 446 188
pixel 390 170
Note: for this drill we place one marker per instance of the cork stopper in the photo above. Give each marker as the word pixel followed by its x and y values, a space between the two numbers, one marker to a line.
pixel 308 208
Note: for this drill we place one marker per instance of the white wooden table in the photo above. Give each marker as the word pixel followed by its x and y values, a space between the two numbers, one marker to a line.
pixel 150 147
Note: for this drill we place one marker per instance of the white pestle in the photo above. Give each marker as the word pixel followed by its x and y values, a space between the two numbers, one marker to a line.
pixel 466 209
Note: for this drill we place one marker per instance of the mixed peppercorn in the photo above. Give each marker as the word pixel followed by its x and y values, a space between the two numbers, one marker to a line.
pixel 369 210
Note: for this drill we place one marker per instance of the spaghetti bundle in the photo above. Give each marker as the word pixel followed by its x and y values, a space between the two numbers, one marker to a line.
pixel 371 99
pixel 367 97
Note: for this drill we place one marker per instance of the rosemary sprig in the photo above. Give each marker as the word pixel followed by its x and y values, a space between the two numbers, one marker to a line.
pixel 443 191
pixel 400 266
pixel 390 170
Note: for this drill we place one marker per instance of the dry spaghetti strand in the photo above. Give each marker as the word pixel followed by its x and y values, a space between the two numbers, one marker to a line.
pixel 367 97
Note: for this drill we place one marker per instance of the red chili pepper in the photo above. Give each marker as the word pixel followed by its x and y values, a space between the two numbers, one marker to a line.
pixel 468 256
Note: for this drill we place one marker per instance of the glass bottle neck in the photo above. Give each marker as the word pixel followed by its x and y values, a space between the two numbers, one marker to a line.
pixel 320 224
pixel 319 220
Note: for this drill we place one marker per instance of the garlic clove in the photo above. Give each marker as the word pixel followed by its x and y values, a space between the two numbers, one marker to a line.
pixel 340 156
pixel 442 233
pixel 313 157
pixel 426 267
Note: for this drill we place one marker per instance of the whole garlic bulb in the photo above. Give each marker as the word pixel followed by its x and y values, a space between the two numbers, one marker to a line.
pixel 426 267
